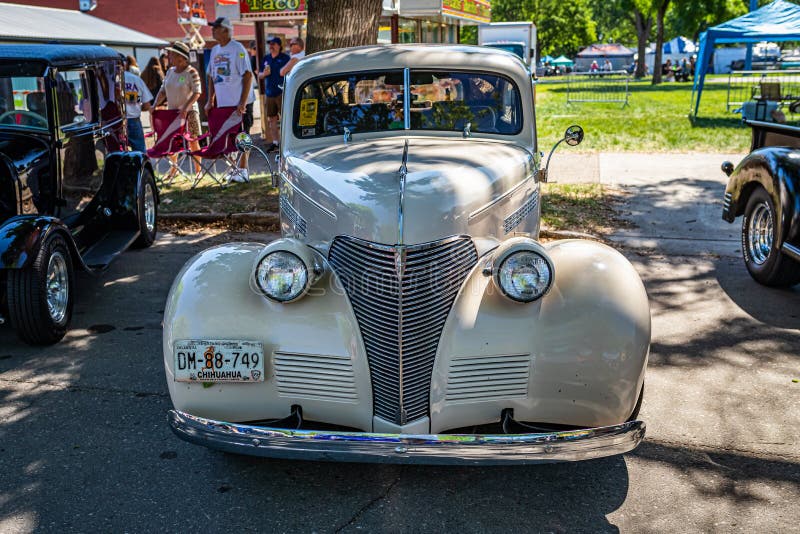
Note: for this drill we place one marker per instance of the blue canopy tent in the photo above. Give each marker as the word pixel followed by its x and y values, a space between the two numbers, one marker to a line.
pixel 778 21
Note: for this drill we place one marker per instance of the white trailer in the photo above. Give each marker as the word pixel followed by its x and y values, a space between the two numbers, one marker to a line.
pixel 516 37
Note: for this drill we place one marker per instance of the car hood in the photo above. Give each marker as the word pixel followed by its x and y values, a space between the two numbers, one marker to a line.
pixel 21 151
pixel 355 189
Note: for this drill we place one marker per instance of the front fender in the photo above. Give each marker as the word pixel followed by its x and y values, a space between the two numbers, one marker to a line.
pixel 777 170
pixel 577 356
pixel 315 338
pixel 21 238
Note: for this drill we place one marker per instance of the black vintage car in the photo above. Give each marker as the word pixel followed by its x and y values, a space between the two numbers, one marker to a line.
pixel 765 188
pixel 71 196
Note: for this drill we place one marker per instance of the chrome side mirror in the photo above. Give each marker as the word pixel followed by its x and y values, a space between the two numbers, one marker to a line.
pixel 244 143
pixel 727 168
pixel 573 136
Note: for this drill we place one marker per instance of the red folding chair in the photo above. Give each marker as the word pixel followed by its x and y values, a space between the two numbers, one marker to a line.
pixel 171 145
pixel 224 124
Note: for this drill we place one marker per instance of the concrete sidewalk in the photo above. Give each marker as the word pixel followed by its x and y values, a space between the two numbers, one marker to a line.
pixel 634 168
pixel 673 200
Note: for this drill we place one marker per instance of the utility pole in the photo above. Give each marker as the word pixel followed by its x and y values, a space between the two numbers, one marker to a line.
pixel 748 58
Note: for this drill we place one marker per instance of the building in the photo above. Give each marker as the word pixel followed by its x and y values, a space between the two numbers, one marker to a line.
pixel 158 18
pixel 31 24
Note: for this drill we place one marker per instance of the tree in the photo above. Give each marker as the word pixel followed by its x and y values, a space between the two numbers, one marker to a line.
pixel 342 23
pixel 661 11
pixel 641 15
pixel 562 27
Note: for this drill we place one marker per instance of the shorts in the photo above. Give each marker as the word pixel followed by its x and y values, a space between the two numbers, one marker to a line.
pixel 274 105
pixel 247 118
pixel 193 123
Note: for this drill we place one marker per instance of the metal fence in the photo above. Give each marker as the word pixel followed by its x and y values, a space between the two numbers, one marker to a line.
pixel 778 86
pixel 598 87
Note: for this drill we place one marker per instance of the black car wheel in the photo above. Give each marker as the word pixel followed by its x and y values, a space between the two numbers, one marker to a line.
pixel 40 296
pixel 760 246
pixel 148 211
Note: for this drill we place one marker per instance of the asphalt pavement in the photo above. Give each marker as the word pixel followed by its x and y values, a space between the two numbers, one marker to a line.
pixel 84 444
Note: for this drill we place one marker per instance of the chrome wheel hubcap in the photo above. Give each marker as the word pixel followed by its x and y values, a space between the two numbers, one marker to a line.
pixel 149 208
pixel 57 287
pixel 759 234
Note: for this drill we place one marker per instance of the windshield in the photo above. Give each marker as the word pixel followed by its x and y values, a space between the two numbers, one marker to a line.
pixel 372 102
pixel 22 102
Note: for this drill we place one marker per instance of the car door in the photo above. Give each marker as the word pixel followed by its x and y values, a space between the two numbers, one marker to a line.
pixel 82 147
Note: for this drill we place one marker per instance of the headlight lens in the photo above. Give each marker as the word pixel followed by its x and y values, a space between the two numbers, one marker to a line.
pixel 282 276
pixel 525 276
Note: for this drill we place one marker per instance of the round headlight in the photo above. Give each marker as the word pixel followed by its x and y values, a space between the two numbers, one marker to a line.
pixel 282 276
pixel 525 276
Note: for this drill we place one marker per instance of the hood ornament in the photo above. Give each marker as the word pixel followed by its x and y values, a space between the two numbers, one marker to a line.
pixel 403 171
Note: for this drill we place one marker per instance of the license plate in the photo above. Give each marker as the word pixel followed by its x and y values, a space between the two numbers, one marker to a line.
pixel 218 360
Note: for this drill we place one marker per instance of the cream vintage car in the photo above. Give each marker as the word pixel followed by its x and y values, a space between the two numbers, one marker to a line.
pixel 409 313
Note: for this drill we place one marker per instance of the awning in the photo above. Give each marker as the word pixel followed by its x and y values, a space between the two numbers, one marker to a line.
pixel 46 25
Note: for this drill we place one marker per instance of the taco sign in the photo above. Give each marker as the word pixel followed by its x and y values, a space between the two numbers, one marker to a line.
pixel 255 9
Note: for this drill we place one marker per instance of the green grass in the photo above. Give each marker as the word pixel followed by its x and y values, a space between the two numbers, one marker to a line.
pixel 655 120
pixel 580 208
pixel 258 195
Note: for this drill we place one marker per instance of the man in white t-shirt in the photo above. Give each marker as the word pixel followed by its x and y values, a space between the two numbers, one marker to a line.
pixel 297 51
pixel 137 98
pixel 230 80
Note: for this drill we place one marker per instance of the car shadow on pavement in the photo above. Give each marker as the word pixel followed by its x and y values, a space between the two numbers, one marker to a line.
pixel 85 446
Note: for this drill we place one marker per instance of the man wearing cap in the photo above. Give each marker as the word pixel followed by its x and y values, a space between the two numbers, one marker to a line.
pixel 230 80
pixel 297 49
pixel 272 65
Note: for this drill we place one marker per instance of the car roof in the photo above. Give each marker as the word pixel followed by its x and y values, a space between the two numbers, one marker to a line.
pixel 57 54
pixel 415 56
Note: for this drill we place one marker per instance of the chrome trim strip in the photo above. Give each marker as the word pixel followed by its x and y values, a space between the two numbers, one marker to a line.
pixel 439 449
pixel 407 98
pixel 791 251
pixel 293 215
pixel 310 200
pixel 499 199
pixel 514 220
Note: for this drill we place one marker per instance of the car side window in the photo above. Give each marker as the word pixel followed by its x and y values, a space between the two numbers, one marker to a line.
pixel 76 99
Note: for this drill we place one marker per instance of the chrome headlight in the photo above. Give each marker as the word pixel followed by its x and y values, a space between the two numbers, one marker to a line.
pixel 282 276
pixel 525 275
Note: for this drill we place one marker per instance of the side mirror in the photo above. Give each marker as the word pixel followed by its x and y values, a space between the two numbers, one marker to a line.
pixel 727 168
pixel 573 136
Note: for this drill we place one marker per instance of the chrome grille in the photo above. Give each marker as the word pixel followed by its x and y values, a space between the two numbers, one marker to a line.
pixel 513 220
pixel 315 376
pixel 484 378
pixel 401 296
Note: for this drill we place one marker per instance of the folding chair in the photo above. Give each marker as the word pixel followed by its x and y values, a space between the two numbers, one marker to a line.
pixel 171 141
pixel 224 124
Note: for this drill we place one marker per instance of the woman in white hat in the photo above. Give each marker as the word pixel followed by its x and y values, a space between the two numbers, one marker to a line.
pixel 181 89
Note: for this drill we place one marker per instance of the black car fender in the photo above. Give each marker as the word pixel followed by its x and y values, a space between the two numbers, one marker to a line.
pixel 777 170
pixel 22 236
pixel 124 173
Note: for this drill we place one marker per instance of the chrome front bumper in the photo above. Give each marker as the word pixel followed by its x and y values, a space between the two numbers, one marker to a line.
pixel 441 449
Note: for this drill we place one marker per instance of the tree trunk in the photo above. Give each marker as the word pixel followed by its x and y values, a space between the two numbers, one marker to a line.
pixel 643 25
pixel 342 23
pixel 662 11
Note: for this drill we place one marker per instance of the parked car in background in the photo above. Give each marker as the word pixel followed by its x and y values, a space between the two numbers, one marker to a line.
pixel 765 190
pixel 70 195
pixel 409 313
